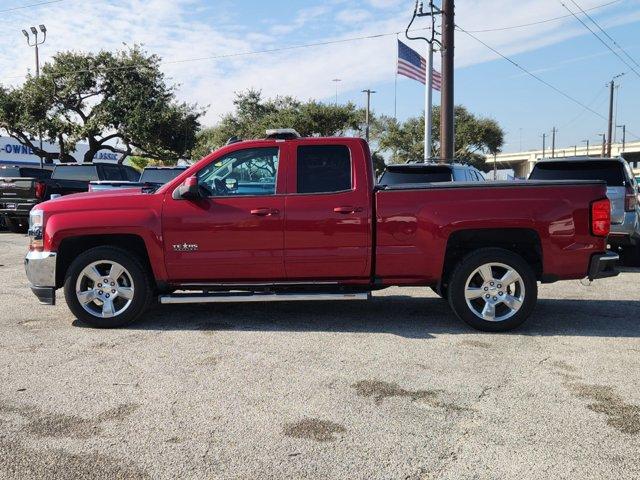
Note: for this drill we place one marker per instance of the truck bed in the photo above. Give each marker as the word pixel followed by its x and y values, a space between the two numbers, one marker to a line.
pixel 417 222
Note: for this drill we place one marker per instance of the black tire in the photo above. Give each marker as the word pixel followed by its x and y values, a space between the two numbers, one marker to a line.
pixel 16 225
pixel 143 290
pixel 470 263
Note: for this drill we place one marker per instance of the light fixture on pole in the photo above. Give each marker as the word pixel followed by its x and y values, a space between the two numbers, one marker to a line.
pixel 36 43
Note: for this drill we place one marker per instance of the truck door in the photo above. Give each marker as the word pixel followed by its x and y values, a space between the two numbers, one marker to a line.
pixel 328 213
pixel 236 232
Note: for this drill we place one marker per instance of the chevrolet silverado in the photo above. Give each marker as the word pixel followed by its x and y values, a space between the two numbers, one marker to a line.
pixel 287 218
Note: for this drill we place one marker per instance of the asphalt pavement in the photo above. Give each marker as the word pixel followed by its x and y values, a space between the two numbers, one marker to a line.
pixel 394 388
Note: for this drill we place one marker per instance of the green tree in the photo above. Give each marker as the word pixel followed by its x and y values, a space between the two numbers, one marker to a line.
pixel 118 102
pixel 253 115
pixel 475 137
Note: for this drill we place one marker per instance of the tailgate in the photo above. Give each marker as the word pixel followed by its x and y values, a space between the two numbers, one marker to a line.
pixel 13 190
pixel 616 197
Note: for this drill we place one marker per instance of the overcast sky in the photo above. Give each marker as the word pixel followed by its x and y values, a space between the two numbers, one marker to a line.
pixel 186 33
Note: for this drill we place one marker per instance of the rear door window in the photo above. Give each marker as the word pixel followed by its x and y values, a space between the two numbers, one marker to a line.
pixel 76 172
pixel 323 169
pixel 610 172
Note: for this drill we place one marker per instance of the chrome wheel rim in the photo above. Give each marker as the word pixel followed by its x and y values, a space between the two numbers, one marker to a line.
pixel 104 289
pixel 494 292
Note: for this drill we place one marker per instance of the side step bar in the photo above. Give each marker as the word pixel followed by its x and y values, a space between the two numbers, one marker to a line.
pixel 259 297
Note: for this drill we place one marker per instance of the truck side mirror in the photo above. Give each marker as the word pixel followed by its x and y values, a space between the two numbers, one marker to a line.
pixel 189 190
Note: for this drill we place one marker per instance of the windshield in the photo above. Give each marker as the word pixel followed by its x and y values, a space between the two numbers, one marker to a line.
pixel 160 175
pixel 396 176
pixel 610 171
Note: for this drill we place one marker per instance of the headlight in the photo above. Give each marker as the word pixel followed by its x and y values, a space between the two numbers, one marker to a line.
pixel 36 229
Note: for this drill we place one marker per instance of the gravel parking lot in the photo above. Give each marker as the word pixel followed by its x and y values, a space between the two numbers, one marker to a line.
pixel 393 388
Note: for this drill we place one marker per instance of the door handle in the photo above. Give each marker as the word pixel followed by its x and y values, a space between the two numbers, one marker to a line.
pixel 345 210
pixel 263 212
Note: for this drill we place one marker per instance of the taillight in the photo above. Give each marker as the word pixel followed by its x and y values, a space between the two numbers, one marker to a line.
pixel 39 190
pixel 630 199
pixel 601 217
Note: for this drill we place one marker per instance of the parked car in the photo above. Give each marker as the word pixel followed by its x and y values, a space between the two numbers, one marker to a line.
pixel 288 218
pixel 21 187
pixel 429 173
pixel 622 190
pixel 21 194
pixel 151 177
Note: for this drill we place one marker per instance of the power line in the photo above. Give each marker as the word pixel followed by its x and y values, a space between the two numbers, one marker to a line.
pixel 539 22
pixel 606 34
pixel 599 38
pixel 31 5
pixel 531 74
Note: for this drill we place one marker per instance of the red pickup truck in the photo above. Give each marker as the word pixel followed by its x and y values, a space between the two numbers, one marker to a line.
pixel 288 218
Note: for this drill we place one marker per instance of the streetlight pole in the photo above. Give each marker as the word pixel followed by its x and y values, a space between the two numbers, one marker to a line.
pixel 604 143
pixel 587 142
pixel 446 95
pixel 624 135
pixel 336 81
pixel 419 11
pixel 367 116
pixel 544 143
pixel 36 43
pixel 612 85
pixel 553 142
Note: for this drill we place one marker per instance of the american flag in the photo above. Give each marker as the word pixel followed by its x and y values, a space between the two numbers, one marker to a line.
pixel 412 65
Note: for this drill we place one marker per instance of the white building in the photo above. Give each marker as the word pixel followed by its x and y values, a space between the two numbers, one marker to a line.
pixel 12 151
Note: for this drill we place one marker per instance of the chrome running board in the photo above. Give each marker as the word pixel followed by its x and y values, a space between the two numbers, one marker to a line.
pixel 259 297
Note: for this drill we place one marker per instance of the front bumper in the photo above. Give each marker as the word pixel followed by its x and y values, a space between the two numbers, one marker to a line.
pixel 603 265
pixel 41 273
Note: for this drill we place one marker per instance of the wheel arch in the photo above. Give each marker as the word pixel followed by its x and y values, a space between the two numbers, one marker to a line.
pixel 522 241
pixel 71 247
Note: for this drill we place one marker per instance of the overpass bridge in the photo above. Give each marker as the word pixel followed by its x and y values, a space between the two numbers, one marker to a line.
pixel 522 162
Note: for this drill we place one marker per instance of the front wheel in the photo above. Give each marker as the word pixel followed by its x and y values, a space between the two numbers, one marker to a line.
pixel 107 287
pixel 493 289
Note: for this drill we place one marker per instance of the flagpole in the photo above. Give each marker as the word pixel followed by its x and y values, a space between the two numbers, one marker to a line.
pixel 428 100
pixel 395 85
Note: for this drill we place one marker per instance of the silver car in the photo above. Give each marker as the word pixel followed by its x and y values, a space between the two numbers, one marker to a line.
pixel 622 191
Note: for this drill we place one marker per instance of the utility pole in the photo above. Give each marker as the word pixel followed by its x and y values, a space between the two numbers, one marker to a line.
pixel 553 142
pixel 544 143
pixel 612 85
pixel 36 43
pixel 575 150
pixel 495 166
pixel 367 117
pixel 587 142
pixel 336 81
pixel 447 98
pixel 604 143
pixel 624 135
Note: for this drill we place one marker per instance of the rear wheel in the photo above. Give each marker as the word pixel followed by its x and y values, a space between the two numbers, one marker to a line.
pixel 493 289
pixel 16 225
pixel 107 287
